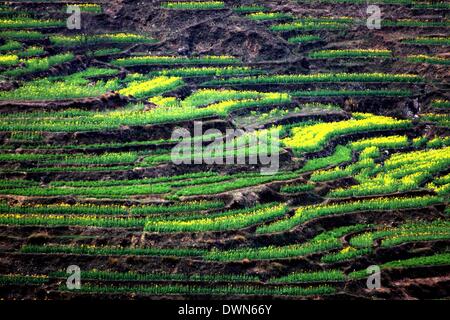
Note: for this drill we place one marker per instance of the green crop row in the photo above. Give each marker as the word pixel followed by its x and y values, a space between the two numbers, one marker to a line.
pixel 206 71
pixel 268 16
pixel 94 120
pixel 153 87
pixel 431 5
pixel 131 182
pixel 26 22
pixel 89 7
pixel 312 24
pixel 409 232
pixel 44 89
pixel 250 8
pixel 62 220
pixel 438 259
pixel 341 154
pixel 38 64
pixel 440 103
pixel 352 93
pixel 18 279
pixel 308 213
pixel 414 23
pixel 323 242
pixel 442 120
pixel 235 184
pixel 387 142
pixel 429 41
pixel 87 209
pixel 295 188
pixel 193 5
pixel 21 35
pixel 8 60
pixel 317 276
pixel 318 77
pixel 345 254
pixel 400 172
pixel 103 250
pixel 239 220
pixel 10 46
pixel 283 252
pixel 116 38
pixel 303 39
pixel 133 276
pixel 199 290
pixel 71 86
pixel 392 2
pixel 73 159
pixel 169 60
pixel 105 52
pixel 422 58
pixel 351 53
pixel 117 189
pixel 314 137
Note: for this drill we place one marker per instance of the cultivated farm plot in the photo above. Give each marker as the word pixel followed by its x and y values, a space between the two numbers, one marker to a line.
pixel 358 119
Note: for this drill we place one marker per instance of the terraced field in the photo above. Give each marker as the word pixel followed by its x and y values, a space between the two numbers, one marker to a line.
pixel 357 118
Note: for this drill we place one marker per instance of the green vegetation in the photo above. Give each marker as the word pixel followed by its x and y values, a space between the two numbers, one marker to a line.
pixel 230 221
pixel 295 188
pixel 193 5
pixel 437 259
pixel 153 87
pixel 318 77
pixel 199 290
pixel 351 93
pixel 303 39
pixel 113 38
pixel 309 26
pixel 401 172
pixel 345 254
pixel 18 279
pixel 21 35
pixel 90 7
pixel 268 16
pixel 317 276
pixel 414 23
pixel 250 8
pixel 388 142
pixel 75 120
pixel 10 46
pixel 72 86
pixel 106 52
pixel 168 60
pixel 341 154
pixel 8 60
pixel 133 276
pixel 34 65
pixel 351 53
pixel 440 103
pixel 408 232
pixel 307 213
pixel 429 41
pixel 422 58
pixel 61 220
pixel 314 137
pixel 25 22
pixel 206 71
pixel 118 251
